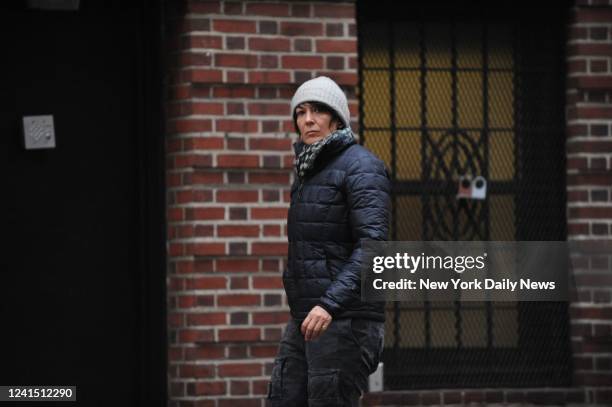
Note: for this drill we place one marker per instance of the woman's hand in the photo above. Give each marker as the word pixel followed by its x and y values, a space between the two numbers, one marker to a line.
pixel 315 323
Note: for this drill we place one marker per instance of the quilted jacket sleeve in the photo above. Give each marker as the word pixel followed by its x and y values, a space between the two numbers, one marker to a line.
pixel 368 191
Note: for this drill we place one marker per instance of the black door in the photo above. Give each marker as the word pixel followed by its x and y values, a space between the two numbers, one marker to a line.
pixel 82 270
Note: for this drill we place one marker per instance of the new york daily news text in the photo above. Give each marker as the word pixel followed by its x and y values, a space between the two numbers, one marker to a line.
pixel 474 271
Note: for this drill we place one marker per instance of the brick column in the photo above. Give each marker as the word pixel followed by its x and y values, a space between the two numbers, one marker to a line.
pixel 232 69
pixel 589 191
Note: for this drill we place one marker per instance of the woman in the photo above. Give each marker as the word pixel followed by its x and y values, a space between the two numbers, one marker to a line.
pixel 340 199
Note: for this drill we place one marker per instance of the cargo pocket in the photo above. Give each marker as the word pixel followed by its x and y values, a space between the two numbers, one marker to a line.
pixel 369 336
pixel 324 388
pixel 275 387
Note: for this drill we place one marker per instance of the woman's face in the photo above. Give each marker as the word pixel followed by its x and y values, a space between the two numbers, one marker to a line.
pixel 313 123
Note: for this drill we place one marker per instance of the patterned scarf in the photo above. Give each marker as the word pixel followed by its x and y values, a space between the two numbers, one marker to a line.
pixel 305 160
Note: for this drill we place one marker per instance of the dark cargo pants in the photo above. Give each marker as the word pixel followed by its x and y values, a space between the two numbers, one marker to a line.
pixel 331 371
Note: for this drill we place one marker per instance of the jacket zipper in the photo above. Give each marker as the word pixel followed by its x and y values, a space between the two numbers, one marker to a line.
pixel 299 198
pixel 300 189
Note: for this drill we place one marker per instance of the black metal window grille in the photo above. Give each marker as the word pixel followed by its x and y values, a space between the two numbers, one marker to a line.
pixel 459 91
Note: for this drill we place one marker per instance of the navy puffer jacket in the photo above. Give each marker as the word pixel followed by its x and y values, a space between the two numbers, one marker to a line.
pixel 342 202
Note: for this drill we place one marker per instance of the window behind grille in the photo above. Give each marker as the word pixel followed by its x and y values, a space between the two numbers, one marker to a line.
pixel 452 91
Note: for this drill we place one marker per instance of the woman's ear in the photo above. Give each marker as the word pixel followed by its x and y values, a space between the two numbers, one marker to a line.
pixel 334 124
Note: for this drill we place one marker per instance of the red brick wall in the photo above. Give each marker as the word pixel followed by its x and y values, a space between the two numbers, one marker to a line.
pixel 589 189
pixel 232 69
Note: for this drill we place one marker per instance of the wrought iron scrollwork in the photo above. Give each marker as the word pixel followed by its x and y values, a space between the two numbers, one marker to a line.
pixel 454 154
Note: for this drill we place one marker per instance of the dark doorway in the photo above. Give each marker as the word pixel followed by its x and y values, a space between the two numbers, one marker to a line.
pixel 83 297
pixel 453 90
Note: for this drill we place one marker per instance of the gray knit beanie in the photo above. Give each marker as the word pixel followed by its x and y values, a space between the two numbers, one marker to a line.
pixel 326 91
